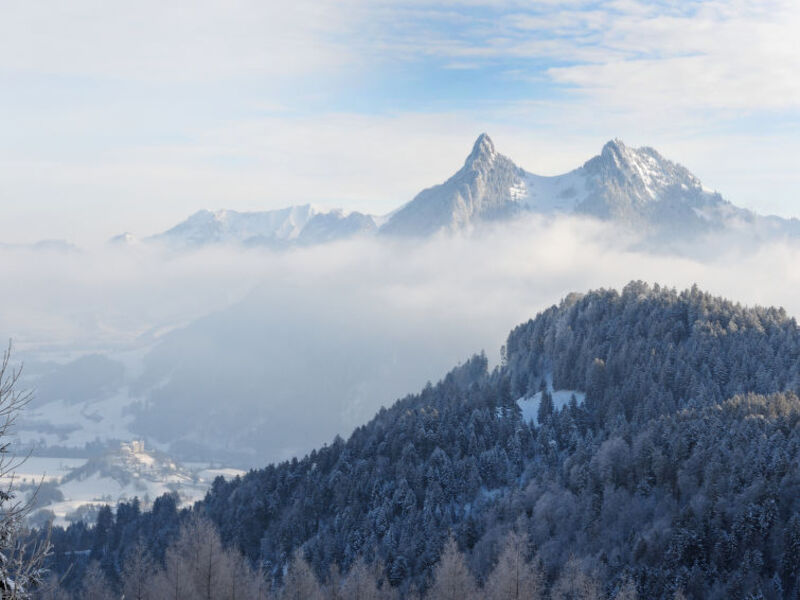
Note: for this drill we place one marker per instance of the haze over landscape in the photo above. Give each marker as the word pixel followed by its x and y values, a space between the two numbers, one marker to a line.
pixel 285 244
pixel 240 307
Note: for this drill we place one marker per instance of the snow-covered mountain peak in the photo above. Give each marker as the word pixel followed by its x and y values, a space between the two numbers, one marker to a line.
pixel 616 154
pixel 482 151
pixel 630 161
pixel 487 187
pixel 614 146
pixel 643 173
pixel 638 187
pixel 306 224
pixel 633 186
pixel 124 239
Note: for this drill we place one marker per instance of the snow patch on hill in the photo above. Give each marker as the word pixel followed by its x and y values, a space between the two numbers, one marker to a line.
pixel 529 405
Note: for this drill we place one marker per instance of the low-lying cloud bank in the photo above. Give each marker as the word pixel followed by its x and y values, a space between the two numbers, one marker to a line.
pixel 268 354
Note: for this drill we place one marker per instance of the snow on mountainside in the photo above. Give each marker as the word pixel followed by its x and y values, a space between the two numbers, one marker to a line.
pixel 632 186
pixel 302 224
pixel 635 187
pixel 335 224
pixel 529 404
pixel 642 188
pixel 488 186
pixel 123 239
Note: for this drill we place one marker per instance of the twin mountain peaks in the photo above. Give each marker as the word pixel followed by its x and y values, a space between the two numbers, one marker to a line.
pixel 634 187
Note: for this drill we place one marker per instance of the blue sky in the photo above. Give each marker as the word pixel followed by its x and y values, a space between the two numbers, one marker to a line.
pixel 131 116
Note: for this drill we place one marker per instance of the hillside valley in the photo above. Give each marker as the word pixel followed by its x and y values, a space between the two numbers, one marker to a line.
pixel 663 455
pixel 230 311
pixel 463 300
pixel 245 304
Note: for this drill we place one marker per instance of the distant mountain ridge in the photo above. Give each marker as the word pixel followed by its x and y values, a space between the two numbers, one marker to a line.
pixel 633 187
pixel 304 224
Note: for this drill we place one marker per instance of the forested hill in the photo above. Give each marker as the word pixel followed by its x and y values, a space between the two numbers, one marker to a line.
pixel 679 473
pixel 650 351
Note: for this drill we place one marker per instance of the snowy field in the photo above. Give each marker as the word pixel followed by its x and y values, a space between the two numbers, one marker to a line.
pixel 34 469
pixel 71 487
pixel 76 424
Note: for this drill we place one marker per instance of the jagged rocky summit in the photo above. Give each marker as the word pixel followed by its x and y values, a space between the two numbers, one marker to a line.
pixel 633 187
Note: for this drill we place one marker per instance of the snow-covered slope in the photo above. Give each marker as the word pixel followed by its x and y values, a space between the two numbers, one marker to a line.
pixel 71 488
pixel 529 405
pixel 334 225
pixel 206 227
pixel 635 187
pixel 488 186
pixel 632 186
pixel 303 224
pixel 124 239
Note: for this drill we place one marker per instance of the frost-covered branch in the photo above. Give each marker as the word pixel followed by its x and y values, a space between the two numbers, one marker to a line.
pixel 20 563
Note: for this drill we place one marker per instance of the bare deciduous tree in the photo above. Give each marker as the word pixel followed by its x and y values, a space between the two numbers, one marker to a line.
pixel 198 566
pixel 627 591
pixel 194 562
pixel 301 583
pixel 137 574
pixel 241 581
pixel 576 583
pixel 51 589
pixel 514 577
pixel 95 584
pixel 20 564
pixel 360 583
pixel 452 579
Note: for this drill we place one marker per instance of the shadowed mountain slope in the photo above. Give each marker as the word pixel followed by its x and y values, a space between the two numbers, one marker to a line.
pixel 679 470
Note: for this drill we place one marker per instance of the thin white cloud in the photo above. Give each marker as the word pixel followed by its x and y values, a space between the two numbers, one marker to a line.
pixel 173 41
pixel 138 114
pixel 714 59
pixel 705 55
pixel 737 53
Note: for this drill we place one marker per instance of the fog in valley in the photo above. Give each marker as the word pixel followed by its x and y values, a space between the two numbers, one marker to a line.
pixel 247 356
